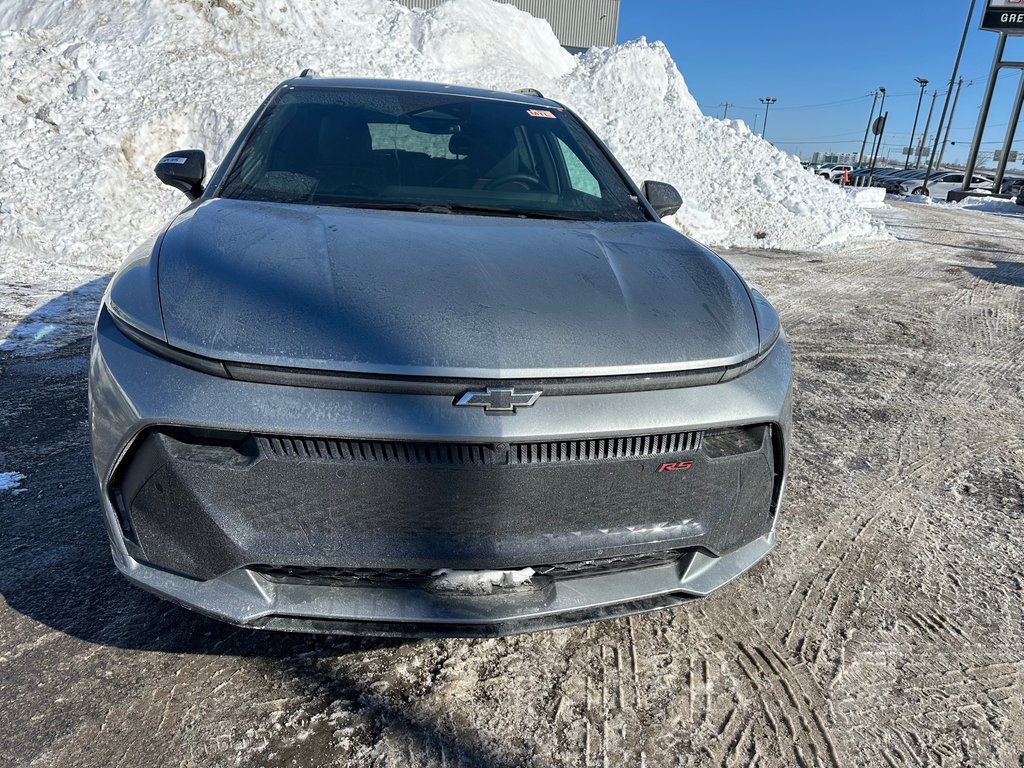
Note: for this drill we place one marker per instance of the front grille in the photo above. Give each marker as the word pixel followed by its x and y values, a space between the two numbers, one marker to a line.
pixel 477 454
pixel 603 449
pixel 412 577
pixel 354 577
pixel 378 451
pixel 610 564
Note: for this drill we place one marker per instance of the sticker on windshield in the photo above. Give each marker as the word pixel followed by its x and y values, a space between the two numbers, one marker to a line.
pixel 540 113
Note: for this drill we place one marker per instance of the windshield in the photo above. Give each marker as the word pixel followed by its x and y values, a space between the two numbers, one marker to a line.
pixel 425 151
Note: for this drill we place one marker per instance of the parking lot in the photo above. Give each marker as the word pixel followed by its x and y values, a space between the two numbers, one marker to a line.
pixel 886 629
pixel 912 181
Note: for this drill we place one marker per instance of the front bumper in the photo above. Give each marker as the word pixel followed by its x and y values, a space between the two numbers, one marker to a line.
pixel 326 515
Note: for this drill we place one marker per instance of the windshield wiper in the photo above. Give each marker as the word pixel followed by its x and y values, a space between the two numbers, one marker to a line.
pixel 376 206
pixel 481 210
pixel 486 210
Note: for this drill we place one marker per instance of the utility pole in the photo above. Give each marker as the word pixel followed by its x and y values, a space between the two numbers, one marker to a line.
pixel 927 124
pixel 945 103
pixel 875 140
pixel 867 128
pixel 913 131
pixel 767 101
pixel 725 112
pixel 945 140
pixel 879 130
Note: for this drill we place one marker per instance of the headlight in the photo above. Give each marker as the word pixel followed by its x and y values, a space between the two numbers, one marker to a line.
pixel 161 348
pixel 769 326
pixel 769 331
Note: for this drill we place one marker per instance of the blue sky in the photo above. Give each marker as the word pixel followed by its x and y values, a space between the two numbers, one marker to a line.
pixel 814 58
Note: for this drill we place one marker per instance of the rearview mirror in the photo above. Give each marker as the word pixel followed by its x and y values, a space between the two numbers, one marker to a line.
pixel 664 198
pixel 184 170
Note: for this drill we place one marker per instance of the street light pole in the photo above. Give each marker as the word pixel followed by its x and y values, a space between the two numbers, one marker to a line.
pixel 910 146
pixel 877 140
pixel 927 125
pixel 867 129
pixel 767 101
pixel 945 140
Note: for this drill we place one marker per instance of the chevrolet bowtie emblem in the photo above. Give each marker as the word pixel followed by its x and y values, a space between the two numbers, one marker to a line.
pixel 499 400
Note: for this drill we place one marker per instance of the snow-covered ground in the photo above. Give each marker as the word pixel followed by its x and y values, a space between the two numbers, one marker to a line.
pixel 97 92
pixel 981 204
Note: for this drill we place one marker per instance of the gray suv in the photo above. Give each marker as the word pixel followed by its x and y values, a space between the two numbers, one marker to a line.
pixel 423 360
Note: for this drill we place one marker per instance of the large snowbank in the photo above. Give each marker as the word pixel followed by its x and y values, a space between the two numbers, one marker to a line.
pixel 97 92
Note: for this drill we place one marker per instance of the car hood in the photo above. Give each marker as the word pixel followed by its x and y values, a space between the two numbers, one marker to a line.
pixel 434 294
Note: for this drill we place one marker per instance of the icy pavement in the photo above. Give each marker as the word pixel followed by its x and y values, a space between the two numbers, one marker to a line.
pixel 39 318
pixel 886 629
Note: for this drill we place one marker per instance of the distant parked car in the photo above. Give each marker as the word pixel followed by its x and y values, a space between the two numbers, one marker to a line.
pixel 940 184
pixel 859 176
pixel 836 172
pixel 859 173
pixel 1013 187
pixel 894 182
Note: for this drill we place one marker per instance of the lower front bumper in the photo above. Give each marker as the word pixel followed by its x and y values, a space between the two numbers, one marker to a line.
pixel 133 393
pixel 245 598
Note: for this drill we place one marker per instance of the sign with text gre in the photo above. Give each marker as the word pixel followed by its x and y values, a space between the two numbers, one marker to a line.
pixel 1004 16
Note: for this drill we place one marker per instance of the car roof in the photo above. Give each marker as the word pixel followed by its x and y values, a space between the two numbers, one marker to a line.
pixel 414 86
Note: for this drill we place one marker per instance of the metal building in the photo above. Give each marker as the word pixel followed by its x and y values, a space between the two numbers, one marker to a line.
pixel 578 24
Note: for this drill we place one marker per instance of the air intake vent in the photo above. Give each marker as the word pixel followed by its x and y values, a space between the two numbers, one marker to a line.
pixel 380 451
pixel 477 454
pixel 602 450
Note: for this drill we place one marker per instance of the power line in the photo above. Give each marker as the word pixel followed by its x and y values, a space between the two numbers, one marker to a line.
pixel 808 139
pixel 822 105
pixel 828 103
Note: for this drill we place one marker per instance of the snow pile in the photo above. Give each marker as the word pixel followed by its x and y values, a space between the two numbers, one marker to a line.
pixel 990 205
pixel 97 92
pixel 866 197
pixel 979 203
pixel 479 582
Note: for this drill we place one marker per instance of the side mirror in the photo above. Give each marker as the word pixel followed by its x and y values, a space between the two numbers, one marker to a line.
pixel 184 170
pixel 664 198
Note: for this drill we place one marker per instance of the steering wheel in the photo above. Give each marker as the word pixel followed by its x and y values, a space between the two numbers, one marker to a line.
pixel 525 179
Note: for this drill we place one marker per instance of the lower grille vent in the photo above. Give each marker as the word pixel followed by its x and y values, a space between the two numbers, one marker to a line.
pixel 477 454
pixel 411 577
pixel 378 451
pixel 601 450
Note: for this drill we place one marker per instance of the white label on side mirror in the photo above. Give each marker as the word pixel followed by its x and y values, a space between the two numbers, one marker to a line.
pixel 175 160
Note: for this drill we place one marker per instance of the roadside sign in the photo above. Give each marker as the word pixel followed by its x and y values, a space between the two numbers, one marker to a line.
pixel 879 125
pixel 1011 156
pixel 1004 16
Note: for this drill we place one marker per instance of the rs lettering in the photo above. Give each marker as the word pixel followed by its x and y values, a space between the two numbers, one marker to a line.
pixel 675 466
